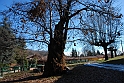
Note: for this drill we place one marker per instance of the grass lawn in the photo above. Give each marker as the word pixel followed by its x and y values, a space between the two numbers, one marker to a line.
pixel 117 60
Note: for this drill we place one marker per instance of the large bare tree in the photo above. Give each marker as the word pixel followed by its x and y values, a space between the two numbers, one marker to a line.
pixel 49 22
pixel 103 29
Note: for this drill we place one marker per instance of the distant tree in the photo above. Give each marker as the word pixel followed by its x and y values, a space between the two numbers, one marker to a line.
pixel 82 55
pixel 113 48
pixel 98 52
pixel 74 52
pixel 20 52
pixel 88 48
pixel 103 29
pixel 90 53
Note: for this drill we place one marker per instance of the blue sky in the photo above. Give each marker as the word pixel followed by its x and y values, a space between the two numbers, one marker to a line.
pixel 6 3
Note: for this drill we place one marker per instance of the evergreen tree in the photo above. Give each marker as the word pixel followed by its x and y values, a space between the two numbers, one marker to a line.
pixel 98 52
pixel 7 41
pixel 20 52
pixel 12 49
pixel 89 53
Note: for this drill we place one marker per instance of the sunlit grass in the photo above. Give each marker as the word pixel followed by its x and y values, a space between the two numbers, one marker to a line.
pixel 116 60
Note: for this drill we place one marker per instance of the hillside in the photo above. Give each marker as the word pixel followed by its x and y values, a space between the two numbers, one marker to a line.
pixel 32 52
pixel 117 60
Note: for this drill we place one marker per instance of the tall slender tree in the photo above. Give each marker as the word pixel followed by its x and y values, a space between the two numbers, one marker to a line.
pixel 6 41
pixel 10 45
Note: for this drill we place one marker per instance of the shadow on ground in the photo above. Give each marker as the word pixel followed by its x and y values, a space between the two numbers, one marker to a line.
pixel 80 74
pixel 86 74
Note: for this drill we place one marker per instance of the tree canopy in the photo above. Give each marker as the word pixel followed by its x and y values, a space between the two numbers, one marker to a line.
pixel 37 19
pixel 103 29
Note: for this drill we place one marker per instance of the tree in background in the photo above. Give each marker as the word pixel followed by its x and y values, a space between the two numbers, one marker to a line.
pixel 12 49
pixel 20 52
pixel 7 41
pixel 74 52
pixel 113 49
pixel 103 29
pixel 88 50
pixel 89 53
pixel 50 22
pixel 98 52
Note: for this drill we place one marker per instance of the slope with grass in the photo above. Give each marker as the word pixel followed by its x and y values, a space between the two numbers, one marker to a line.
pixel 117 60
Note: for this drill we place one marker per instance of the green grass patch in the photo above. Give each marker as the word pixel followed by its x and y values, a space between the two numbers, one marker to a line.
pixel 117 60
pixel 74 64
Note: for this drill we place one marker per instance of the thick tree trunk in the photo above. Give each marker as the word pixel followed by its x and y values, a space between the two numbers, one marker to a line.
pixel 55 64
pixel 112 54
pixel 115 53
pixel 105 50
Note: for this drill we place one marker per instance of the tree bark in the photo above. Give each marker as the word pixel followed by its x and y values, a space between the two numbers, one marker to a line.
pixel 105 50
pixel 112 54
pixel 55 64
pixel 115 52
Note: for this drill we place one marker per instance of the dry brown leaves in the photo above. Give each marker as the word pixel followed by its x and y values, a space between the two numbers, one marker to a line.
pixel 79 74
